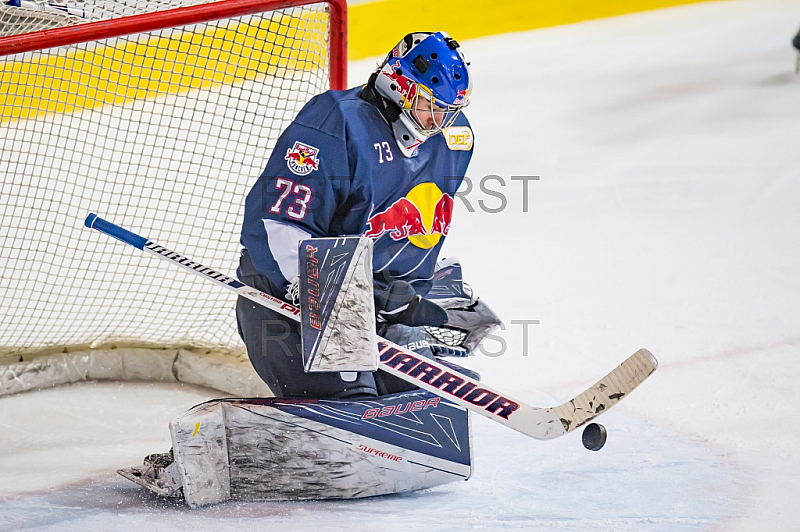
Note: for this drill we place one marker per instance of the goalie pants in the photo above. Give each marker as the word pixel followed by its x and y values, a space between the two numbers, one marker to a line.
pixel 274 348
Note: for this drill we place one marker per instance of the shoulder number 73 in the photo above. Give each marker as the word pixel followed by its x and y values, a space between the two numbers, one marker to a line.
pixel 297 206
pixel 384 151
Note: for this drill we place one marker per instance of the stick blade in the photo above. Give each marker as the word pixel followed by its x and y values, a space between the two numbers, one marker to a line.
pixel 606 392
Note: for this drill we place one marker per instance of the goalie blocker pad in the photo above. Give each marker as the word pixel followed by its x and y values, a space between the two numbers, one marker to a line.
pixel 337 306
pixel 279 449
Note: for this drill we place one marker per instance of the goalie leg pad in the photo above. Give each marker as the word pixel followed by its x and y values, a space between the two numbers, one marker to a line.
pixel 200 446
pixel 275 449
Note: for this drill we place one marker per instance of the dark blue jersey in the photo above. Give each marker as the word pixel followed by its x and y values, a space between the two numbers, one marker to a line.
pixel 336 171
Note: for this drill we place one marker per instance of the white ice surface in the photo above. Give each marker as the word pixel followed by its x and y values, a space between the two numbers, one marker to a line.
pixel 666 216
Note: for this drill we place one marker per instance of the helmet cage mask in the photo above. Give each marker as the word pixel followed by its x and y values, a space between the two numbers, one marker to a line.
pixel 423 103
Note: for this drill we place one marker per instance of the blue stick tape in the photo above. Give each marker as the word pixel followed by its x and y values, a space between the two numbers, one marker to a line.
pixel 95 222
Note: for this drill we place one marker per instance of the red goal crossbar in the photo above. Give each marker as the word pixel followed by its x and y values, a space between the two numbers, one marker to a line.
pixel 104 29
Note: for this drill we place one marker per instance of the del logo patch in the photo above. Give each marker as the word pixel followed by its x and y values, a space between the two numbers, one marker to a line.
pixel 302 158
pixel 458 138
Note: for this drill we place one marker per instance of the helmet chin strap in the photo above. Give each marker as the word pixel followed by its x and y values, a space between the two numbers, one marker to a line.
pixel 408 137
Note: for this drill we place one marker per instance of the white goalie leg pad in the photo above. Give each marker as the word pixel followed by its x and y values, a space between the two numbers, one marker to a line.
pixel 275 450
pixel 200 447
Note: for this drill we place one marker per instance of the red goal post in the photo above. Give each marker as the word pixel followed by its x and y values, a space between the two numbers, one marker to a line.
pixel 103 29
pixel 161 120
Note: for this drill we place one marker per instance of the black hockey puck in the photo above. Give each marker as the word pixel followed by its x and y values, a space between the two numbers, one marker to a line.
pixel 594 436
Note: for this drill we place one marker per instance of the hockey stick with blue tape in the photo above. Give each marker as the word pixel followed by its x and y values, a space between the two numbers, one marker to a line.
pixel 536 422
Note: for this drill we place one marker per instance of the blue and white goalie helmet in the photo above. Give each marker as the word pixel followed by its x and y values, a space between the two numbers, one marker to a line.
pixel 427 76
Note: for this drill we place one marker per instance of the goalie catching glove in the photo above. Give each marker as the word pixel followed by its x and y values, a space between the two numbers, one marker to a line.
pixel 469 319
pixel 399 303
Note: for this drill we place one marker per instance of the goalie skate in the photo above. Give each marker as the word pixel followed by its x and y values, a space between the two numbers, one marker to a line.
pixel 159 474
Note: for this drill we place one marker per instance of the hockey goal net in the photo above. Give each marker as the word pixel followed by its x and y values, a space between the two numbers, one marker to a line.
pixel 158 115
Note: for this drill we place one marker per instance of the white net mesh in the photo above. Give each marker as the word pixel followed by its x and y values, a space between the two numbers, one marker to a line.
pixel 17 20
pixel 161 132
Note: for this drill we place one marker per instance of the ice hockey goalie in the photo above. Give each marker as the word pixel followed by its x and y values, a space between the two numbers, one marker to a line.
pixel 279 448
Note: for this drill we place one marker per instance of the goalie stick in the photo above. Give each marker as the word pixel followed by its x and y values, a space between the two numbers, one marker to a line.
pixel 536 422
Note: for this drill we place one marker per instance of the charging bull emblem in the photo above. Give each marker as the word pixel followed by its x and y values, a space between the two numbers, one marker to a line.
pixel 401 83
pixel 422 216
pixel 302 158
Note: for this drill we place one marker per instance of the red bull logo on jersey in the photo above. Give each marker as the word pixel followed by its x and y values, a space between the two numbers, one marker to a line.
pixel 302 159
pixel 422 216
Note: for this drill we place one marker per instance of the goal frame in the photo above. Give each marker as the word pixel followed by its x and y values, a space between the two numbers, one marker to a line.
pixel 224 370
pixel 182 16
